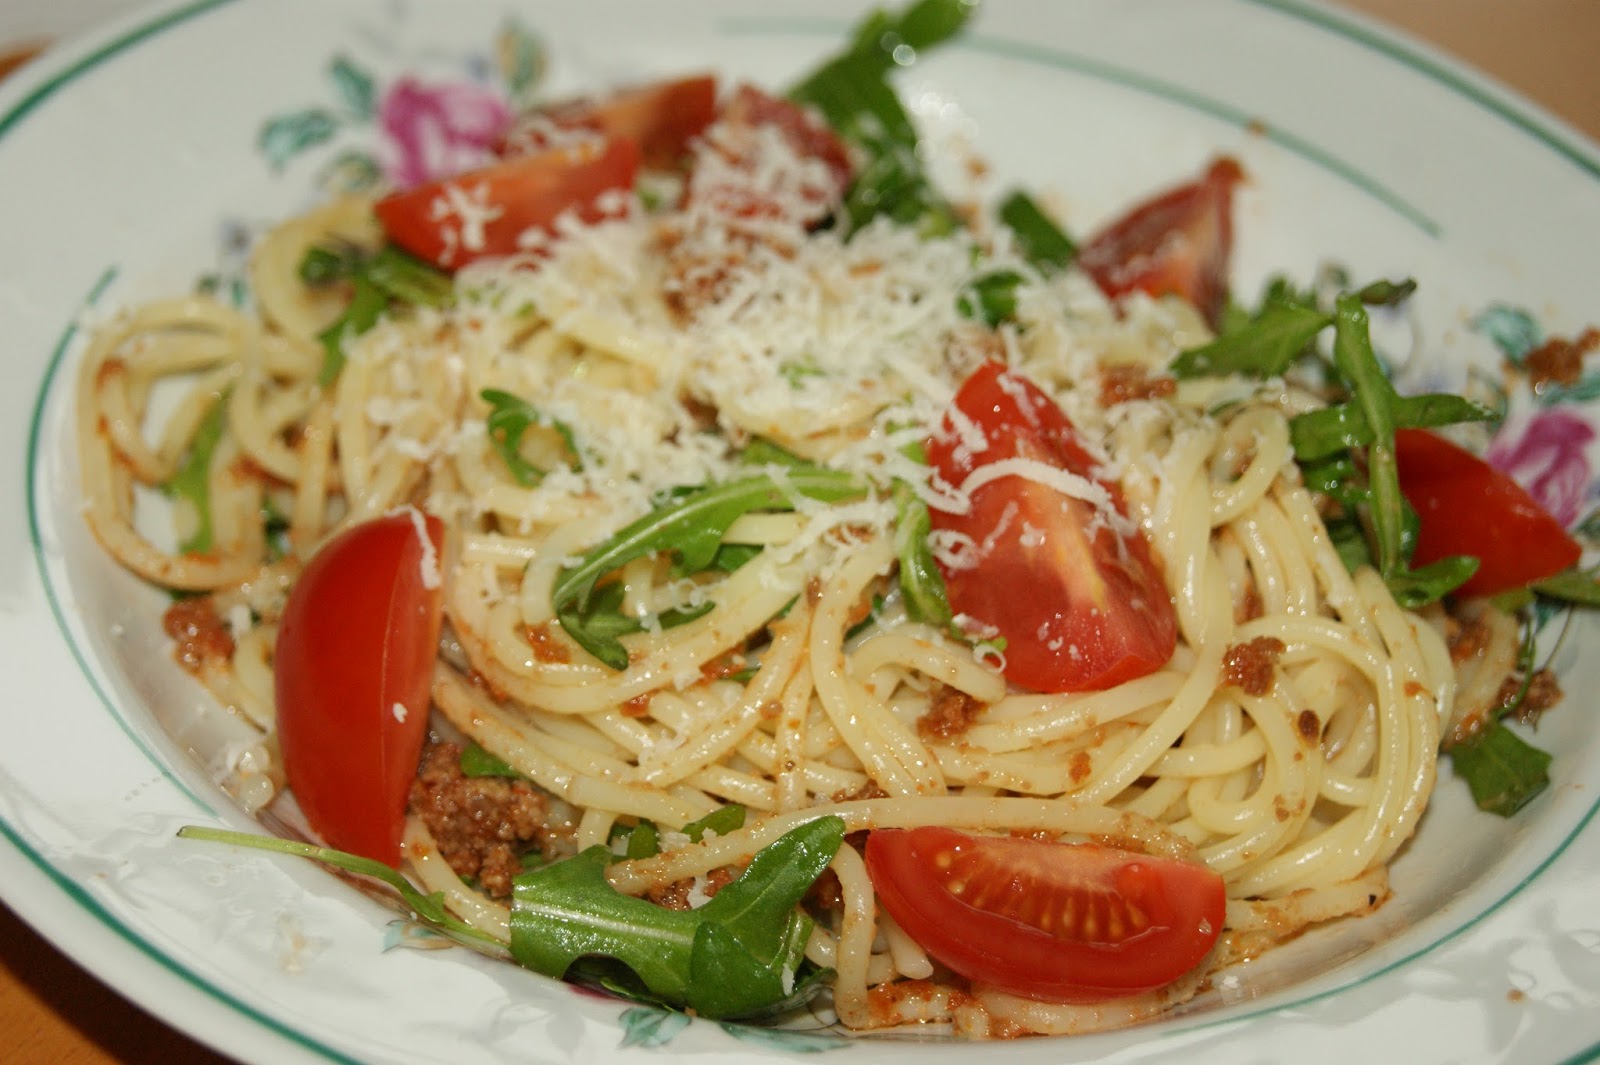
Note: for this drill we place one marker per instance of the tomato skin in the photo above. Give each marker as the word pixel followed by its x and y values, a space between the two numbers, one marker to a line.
pixel 357 640
pixel 1081 606
pixel 1467 507
pixel 1176 243
pixel 809 136
pixel 1057 922
pixel 736 179
pixel 662 118
pixel 516 195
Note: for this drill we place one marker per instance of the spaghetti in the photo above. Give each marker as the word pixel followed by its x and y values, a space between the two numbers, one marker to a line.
pixel 1289 743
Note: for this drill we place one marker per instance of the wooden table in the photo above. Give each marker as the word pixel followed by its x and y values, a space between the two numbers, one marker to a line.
pixel 52 1011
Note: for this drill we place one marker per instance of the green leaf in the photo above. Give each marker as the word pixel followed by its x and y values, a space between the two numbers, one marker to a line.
pixel 511 417
pixel 406 279
pixel 1266 347
pixel 763 452
pixel 1580 587
pixel 378 281
pixel 921 582
pixel 852 92
pixel 1387 293
pixel 692 526
pixel 568 910
pixel 1319 433
pixel 324 265
pixel 1369 491
pixel 722 960
pixel 477 762
pixel 429 909
pixel 1502 770
pixel 286 136
pixel 1042 242
pixel 731 557
pixel 1373 397
pixel 682 615
pixel 1414 588
pixel 756 908
pixel 192 481
pixel 718 822
pixel 367 304
pixel 641 840
pixel 718 952
pixel 990 299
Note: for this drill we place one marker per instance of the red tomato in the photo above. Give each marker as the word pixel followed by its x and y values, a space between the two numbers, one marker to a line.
pixel 1177 243
pixel 353 669
pixel 1467 507
pixel 456 220
pixel 1080 605
pixel 808 135
pixel 661 118
pixel 1058 922
pixel 743 175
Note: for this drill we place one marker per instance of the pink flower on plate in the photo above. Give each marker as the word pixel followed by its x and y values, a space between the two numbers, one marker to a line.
pixel 439 130
pixel 1549 460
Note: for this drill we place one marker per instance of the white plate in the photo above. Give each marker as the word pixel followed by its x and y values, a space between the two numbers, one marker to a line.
pixel 132 160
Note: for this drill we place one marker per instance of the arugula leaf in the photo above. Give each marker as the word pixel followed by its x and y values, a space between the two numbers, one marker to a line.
pixel 730 557
pixel 1503 771
pixel 477 762
pixel 1370 490
pixel 921 582
pixel 991 299
pixel 1374 397
pixel 1042 242
pixel 1387 293
pixel 691 526
pixel 717 950
pixel 732 957
pixel 763 452
pixel 643 839
pixel 408 279
pixel 192 481
pixel 511 417
pixel 378 280
pixel 853 93
pixel 1580 587
pixel 1265 347
pixel 568 909
pixel 1318 433
pixel 1280 333
pixel 718 822
pixel 429 909
pixel 367 304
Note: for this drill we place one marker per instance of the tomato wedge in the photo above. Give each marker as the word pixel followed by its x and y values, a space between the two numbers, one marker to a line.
pixel 1058 922
pixel 353 668
pixel 662 118
pixel 807 134
pixel 1177 243
pixel 1080 602
pixel 1467 507
pixel 455 221
pixel 744 173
